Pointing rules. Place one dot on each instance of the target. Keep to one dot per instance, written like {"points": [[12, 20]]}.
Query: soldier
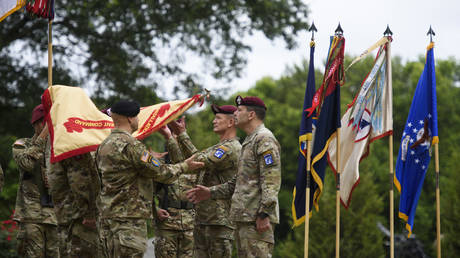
{"points": [[80, 176], [37, 234], [127, 171], [254, 190], [174, 218], [213, 232]]}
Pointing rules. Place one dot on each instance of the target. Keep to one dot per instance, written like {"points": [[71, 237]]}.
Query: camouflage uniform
{"points": [[255, 191], [213, 232], [37, 234], [174, 235], [81, 175], [127, 171]]}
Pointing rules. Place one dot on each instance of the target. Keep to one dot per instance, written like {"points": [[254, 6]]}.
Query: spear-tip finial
{"points": [[339, 31], [313, 30], [388, 32], [431, 33]]}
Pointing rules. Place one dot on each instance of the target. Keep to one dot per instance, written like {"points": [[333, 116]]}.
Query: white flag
{"points": [[369, 117]]}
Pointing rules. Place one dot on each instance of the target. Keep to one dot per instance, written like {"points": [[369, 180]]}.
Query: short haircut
{"points": [[260, 111]]}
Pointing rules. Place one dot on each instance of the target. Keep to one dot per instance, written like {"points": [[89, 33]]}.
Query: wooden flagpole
{"points": [[337, 201], [388, 33], [50, 54], [307, 200], [438, 201]]}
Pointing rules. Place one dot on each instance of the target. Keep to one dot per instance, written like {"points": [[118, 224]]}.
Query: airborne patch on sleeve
{"points": [[268, 158]]}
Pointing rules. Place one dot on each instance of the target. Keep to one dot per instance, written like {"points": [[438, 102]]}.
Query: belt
{"points": [[184, 205]]}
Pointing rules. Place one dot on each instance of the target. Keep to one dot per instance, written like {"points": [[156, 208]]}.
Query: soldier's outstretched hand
{"points": [[192, 164], [165, 131], [198, 194], [178, 126], [44, 132]]}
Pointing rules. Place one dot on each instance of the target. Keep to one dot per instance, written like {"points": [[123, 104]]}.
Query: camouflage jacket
{"points": [[220, 166], [255, 188], [59, 188], [83, 182], [28, 153], [172, 197], [127, 171]]}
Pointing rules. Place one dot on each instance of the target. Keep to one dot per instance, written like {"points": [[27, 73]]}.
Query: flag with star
{"points": [[420, 132]]}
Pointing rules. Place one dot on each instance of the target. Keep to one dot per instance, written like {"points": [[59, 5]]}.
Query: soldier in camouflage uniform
{"points": [[37, 234], [174, 218], [255, 188], [127, 171], [80, 176], [213, 232]]}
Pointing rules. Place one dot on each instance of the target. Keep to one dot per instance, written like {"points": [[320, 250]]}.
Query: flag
{"points": [[368, 118], [41, 8], [327, 104], [420, 132], [77, 126], [8, 7], [305, 134]]}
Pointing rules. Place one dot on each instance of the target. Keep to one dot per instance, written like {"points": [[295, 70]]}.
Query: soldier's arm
{"points": [[174, 151], [151, 167], [186, 144], [269, 161], [225, 190], [26, 158]]}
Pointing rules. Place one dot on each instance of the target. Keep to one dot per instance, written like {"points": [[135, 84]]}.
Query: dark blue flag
{"points": [[305, 131], [420, 132], [328, 115]]}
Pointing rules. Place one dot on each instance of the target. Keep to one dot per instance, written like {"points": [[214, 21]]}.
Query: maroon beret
{"points": [[37, 114], [250, 101], [226, 109]]}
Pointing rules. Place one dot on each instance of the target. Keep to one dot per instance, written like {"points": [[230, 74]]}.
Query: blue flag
{"points": [[420, 132], [327, 100], [305, 131]]}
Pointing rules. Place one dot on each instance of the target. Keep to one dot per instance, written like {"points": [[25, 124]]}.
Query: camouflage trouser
{"points": [[123, 237], [250, 243], [63, 234], [84, 241], [173, 243], [213, 241], [37, 240]]}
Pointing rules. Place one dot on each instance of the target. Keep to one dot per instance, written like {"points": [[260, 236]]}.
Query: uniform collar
{"points": [[116, 130]]}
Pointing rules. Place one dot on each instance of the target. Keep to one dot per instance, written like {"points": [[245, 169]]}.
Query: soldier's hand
{"points": [[165, 131], [91, 223], [158, 155], [198, 194], [192, 164], [162, 214], [44, 132], [178, 126], [262, 225]]}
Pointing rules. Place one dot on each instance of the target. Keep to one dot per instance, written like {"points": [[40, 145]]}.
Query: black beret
{"points": [[126, 108], [226, 109], [250, 101]]}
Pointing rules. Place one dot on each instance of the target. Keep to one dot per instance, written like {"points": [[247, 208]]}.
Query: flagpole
{"points": [[338, 33], [307, 200], [438, 194], [388, 34], [50, 55], [438, 201]]}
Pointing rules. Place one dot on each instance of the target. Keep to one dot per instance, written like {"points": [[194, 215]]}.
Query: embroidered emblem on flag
{"points": [[219, 153], [145, 156], [268, 158], [155, 162]]}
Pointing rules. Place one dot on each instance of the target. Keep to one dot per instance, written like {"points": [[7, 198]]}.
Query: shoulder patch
{"points": [[268, 158], [19, 142], [220, 151], [155, 162], [145, 156]]}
